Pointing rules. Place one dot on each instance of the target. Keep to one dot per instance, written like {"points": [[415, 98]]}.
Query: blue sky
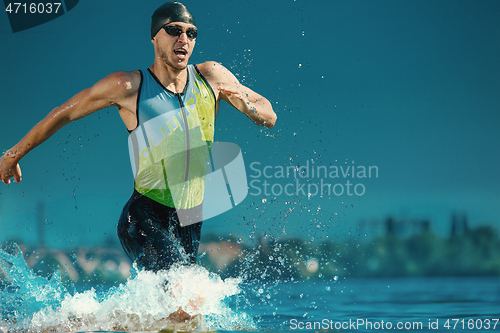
{"points": [[408, 86]]}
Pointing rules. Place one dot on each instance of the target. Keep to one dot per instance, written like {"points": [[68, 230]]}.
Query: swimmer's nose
{"points": [[183, 38]]}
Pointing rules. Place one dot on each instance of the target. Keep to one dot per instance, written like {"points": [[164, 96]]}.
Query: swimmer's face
{"points": [[174, 50]]}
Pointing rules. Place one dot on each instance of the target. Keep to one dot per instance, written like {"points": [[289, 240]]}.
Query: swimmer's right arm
{"points": [[117, 89]]}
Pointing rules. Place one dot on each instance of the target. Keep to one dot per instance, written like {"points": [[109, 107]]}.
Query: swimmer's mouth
{"points": [[180, 52]]}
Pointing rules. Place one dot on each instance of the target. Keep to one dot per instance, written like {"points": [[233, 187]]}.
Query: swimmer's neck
{"points": [[174, 79]]}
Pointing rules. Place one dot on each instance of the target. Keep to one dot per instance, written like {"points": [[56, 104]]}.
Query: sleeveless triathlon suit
{"points": [[172, 130]]}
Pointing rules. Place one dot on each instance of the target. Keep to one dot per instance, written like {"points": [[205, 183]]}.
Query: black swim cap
{"points": [[172, 11]]}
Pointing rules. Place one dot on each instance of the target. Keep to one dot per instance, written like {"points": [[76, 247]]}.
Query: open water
{"points": [[36, 304]]}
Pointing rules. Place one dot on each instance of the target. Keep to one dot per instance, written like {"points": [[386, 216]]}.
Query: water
{"points": [[332, 304], [32, 303]]}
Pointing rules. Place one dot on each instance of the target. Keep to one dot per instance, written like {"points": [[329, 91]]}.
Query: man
{"points": [[149, 227]]}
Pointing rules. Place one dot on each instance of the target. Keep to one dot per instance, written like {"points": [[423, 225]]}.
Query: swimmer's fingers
{"points": [[234, 96], [229, 91], [5, 177], [17, 174], [9, 170]]}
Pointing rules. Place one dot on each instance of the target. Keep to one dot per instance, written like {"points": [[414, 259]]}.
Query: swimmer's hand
{"points": [[9, 167], [237, 99], [251, 104]]}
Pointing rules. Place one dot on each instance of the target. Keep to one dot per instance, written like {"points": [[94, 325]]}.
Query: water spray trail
{"points": [[33, 303]]}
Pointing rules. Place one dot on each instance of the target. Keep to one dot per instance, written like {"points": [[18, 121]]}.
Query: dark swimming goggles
{"points": [[177, 32]]}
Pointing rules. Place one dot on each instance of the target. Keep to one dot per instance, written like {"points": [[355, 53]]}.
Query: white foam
{"points": [[143, 303]]}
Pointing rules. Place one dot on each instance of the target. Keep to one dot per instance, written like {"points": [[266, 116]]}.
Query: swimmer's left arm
{"points": [[245, 100]]}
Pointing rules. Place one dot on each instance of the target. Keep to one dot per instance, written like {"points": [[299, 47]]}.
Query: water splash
{"points": [[32, 303]]}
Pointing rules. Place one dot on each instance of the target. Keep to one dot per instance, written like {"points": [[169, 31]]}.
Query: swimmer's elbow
{"points": [[272, 120], [270, 124]]}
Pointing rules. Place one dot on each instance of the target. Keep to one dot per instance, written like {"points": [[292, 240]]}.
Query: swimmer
{"points": [[149, 228]]}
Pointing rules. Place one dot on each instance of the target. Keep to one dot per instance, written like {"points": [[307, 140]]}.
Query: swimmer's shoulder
{"points": [[211, 70], [118, 89], [125, 83]]}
